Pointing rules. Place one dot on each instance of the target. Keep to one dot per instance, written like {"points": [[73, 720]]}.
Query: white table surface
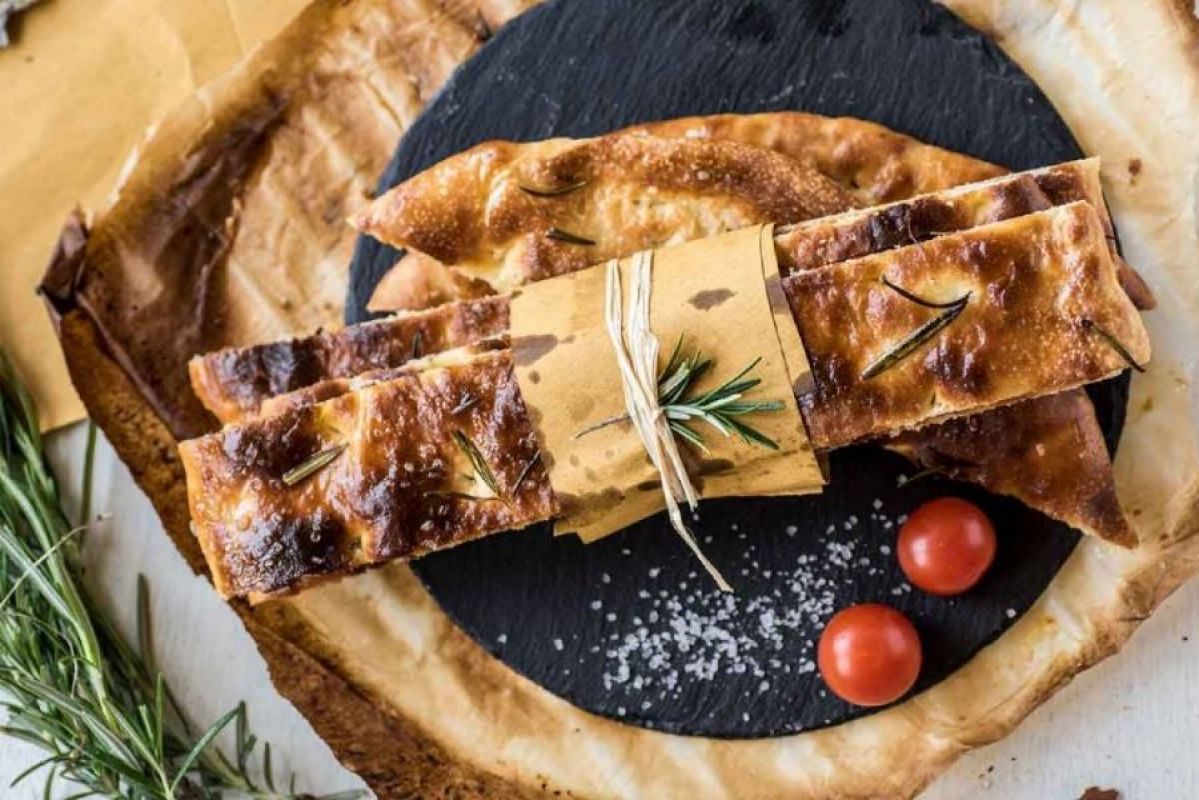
{"points": [[1131, 723]]}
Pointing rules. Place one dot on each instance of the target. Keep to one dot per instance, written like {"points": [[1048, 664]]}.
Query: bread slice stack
{"points": [[955, 327]]}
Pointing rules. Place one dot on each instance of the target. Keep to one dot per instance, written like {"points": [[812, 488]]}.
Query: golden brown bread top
{"points": [[875, 163], [1032, 284], [1047, 452], [859, 232], [513, 213], [232, 383], [402, 486], [336, 387]]}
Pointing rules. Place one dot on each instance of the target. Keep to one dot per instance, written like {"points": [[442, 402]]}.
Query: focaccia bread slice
{"points": [[860, 232], [1029, 306], [419, 463], [336, 387], [513, 213], [1047, 452], [232, 383]]}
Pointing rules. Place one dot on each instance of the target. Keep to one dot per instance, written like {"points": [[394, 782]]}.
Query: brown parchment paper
{"points": [[713, 293], [79, 87]]}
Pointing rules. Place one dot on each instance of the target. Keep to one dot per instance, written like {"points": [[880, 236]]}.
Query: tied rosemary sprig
{"points": [[69, 684], [534, 191], [1111, 341], [477, 462], [560, 235], [719, 407], [908, 344]]}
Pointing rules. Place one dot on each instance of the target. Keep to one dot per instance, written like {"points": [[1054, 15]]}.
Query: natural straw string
{"points": [[637, 350]]}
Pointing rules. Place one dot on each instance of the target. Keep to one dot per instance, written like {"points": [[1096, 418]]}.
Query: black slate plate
{"points": [[630, 627]]}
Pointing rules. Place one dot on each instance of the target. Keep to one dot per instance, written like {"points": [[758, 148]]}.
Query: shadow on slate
{"points": [[630, 627]]}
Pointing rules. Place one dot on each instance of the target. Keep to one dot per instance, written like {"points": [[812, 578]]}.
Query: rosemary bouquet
{"points": [[98, 708]]}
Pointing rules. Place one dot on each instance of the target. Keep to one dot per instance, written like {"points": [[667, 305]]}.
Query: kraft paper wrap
{"points": [[79, 86], [723, 295]]}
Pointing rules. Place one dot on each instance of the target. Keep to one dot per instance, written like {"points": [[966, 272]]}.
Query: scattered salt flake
{"points": [[558, 644], [502, 638], [605, 578], [653, 572], [792, 530], [1010, 613], [596, 605]]}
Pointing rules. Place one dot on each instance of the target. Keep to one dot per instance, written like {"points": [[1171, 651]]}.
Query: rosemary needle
{"points": [[313, 464], [533, 191], [913, 340], [570, 238], [1113, 343], [477, 462]]}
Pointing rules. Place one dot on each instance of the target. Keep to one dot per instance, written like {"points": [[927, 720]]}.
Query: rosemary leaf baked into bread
{"points": [[391, 471], [961, 323]]}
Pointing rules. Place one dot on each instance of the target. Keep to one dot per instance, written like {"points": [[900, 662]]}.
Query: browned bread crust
{"points": [[233, 382], [1047, 452], [1031, 286], [486, 211], [807, 245], [400, 487], [395, 492]]}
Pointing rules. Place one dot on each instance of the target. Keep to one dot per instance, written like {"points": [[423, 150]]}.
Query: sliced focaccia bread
{"points": [[336, 387], [1047, 453], [513, 213], [391, 471], [962, 323], [860, 232], [232, 383]]}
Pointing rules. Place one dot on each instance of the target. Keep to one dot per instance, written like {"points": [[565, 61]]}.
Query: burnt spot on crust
{"points": [[280, 549], [397, 491], [1028, 281], [233, 383]]}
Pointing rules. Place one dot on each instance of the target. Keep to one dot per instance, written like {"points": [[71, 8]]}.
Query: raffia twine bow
{"points": [[637, 350]]}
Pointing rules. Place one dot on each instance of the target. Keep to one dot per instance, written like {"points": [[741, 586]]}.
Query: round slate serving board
{"points": [[631, 627]]}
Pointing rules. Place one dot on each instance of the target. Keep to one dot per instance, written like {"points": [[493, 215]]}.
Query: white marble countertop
{"points": [[1127, 724]]}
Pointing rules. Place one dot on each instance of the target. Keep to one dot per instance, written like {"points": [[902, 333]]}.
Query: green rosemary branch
{"points": [[69, 684], [719, 407]]}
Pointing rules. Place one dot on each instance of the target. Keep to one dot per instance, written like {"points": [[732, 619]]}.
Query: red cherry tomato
{"points": [[946, 545], [869, 654]]}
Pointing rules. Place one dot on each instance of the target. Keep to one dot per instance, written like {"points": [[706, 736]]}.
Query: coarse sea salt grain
{"points": [[692, 632]]}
